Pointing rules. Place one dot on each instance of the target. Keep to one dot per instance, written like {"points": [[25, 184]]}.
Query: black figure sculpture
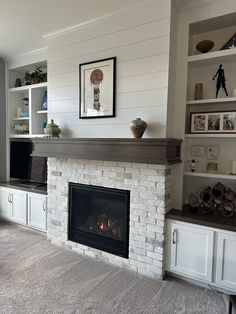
{"points": [[220, 80]]}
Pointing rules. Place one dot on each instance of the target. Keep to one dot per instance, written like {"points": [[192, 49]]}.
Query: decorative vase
{"points": [[198, 91], [138, 127], [52, 129], [205, 45]]}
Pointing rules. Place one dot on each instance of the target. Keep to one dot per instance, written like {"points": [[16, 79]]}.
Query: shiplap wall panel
{"points": [[153, 11], [153, 114], [145, 49], [160, 28], [141, 45]]}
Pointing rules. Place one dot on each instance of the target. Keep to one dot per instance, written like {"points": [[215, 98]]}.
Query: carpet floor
{"points": [[38, 277]]}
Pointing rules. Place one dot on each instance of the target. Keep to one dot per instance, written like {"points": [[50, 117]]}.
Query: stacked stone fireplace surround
{"points": [[150, 197]]}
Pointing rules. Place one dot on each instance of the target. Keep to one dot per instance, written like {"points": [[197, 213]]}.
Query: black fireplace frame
{"points": [[87, 238]]}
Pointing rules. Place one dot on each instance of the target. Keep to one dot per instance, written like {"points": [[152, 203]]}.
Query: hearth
{"points": [[99, 217]]}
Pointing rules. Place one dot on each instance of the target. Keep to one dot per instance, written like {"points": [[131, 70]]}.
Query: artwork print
{"points": [[97, 89]]}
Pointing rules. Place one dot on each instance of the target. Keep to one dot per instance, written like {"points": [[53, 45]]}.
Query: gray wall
{"points": [[3, 167]]}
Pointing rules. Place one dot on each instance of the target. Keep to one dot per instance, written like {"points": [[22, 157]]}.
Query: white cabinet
{"points": [[202, 253], [226, 260], [13, 205], [23, 207], [5, 205], [18, 206], [37, 211], [192, 251]]}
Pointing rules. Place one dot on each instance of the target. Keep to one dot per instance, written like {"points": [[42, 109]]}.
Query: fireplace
{"points": [[99, 217]]}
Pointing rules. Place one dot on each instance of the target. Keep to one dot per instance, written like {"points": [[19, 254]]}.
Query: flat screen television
{"points": [[25, 167]]}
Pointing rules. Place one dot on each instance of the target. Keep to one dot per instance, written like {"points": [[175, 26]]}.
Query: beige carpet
{"points": [[38, 277]]}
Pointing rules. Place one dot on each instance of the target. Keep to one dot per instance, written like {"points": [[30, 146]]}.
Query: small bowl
{"points": [[205, 45], [24, 114]]}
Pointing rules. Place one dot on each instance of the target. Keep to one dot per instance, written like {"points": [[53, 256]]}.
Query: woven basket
{"points": [[205, 45]]}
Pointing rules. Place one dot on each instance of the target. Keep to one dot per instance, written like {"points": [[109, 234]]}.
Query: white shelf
{"points": [[211, 101], [18, 119], [42, 111], [26, 87], [26, 135], [210, 175], [215, 135], [221, 56]]}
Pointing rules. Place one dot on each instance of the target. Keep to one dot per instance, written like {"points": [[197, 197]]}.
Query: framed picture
{"points": [[197, 150], [231, 43], [44, 105], [97, 89], [213, 122]]}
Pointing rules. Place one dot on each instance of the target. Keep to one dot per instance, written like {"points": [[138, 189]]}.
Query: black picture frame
{"points": [[231, 43], [97, 89]]}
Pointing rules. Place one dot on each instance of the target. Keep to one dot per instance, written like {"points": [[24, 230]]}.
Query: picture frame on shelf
{"points": [[44, 105], [213, 122], [97, 89], [213, 152], [197, 150], [231, 43]]}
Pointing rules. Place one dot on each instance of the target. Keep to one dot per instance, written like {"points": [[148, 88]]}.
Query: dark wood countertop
{"points": [[214, 220], [18, 185]]}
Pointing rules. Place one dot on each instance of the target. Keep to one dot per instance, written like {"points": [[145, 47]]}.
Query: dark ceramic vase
{"points": [[138, 127]]}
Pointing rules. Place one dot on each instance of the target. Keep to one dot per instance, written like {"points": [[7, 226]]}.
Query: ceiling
{"points": [[23, 23]]}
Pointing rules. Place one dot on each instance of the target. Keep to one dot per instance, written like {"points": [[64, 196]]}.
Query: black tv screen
{"points": [[23, 165], [20, 159]]}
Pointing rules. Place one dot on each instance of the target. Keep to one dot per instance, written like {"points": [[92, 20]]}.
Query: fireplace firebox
{"points": [[99, 218]]}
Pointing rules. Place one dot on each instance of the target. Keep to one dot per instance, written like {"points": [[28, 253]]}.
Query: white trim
{"points": [[88, 23]]}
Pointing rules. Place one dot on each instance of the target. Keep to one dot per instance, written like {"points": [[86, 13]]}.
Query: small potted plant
{"points": [[36, 76], [27, 78]]}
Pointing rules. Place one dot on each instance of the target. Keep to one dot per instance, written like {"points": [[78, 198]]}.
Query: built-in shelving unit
{"points": [[26, 120], [201, 68]]}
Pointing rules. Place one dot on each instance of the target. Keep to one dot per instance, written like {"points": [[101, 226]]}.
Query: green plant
{"points": [[37, 76]]}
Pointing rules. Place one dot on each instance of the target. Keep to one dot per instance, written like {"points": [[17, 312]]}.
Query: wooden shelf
{"points": [[210, 175], [162, 151], [211, 101], [220, 56]]}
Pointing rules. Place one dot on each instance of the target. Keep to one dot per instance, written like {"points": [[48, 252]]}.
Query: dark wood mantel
{"points": [[161, 151]]}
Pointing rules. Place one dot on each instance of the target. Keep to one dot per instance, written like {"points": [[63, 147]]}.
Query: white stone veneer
{"points": [[150, 198]]}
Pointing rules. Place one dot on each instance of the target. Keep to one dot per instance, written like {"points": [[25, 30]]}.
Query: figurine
{"points": [[193, 163], [220, 80]]}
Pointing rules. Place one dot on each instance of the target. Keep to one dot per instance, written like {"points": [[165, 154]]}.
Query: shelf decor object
{"points": [[213, 122], [45, 101], [231, 43], [198, 91], [205, 45], [138, 127], [97, 89]]}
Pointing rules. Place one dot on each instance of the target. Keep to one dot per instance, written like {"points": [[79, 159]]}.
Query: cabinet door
{"points": [[19, 209], [226, 261], [192, 251], [5, 205], [37, 211]]}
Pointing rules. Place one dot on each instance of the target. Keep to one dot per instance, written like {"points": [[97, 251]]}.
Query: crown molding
{"points": [[28, 57], [89, 23]]}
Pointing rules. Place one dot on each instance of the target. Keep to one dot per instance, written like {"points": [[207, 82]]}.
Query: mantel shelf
{"points": [[162, 151], [225, 175]]}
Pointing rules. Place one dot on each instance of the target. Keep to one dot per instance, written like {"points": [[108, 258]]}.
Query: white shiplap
{"points": [[140, 41]]}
